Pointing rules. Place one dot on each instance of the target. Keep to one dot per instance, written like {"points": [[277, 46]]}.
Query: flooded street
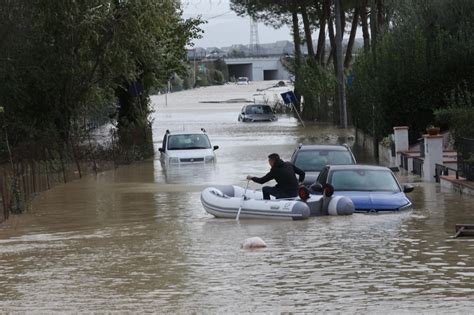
{"points": [[137, 239]]}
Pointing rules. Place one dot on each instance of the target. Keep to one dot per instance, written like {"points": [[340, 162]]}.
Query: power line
{"points": [[200, 5], [219, 15]]}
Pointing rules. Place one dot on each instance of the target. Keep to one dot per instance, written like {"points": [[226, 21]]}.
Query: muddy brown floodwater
{"points": [[137, 239]]}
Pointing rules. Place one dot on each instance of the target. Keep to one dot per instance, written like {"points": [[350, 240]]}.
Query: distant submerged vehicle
{"points": [[257, 113], [242, 81]]}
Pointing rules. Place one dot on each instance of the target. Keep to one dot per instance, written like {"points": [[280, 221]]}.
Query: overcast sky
{"points": [[224, 27]]}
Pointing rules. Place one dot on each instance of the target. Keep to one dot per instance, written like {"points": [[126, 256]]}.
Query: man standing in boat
{"points": [[284, 173]]}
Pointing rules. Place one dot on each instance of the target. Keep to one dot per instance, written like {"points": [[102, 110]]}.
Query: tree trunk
{"points": [[332, 40], [320, 52], [350, 43], [133, 127], [323, 113], [339, 69], [332, 36], [365, 26], [380, 15], [297, 43], [373, 25], [307, 32], [296, 35]]}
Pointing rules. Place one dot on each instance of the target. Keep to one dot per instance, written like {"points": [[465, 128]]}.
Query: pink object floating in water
{"points": [[253, 242]]}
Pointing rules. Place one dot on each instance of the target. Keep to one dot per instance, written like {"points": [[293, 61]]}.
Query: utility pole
{"points": [[254, 42], [194, 68], [340, 67]]}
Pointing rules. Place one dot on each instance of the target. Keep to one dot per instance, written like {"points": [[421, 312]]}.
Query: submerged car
{"points": [[242, 81], [371, 188], [187, 148], [257, 113], [313, 158]]}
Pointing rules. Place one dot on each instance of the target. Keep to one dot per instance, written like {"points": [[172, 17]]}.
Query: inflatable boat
{"points": [[225, 201]]}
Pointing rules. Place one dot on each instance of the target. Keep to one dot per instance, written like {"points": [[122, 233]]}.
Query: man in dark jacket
{"points": [[284, 173]]}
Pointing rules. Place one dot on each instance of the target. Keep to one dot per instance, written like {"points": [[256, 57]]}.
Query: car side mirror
{"points": [[317, 187], [161, 150], [408, 188], [215, 147], [243, 113]]}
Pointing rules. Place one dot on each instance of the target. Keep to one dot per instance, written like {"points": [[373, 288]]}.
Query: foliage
{"points": [[201, 80], [270, 12], [415, 65], [221, 66], [216, 77], [315, 80], [234, 53], [176, 83], [316, 15], [67, 66], [64, 63], [459, 114]]}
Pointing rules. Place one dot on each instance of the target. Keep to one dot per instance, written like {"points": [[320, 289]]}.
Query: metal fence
{"points": [[417, 166], [403, 160], [444, 170], [18, 185], [422, 147], [465, 149], [392, 149]]}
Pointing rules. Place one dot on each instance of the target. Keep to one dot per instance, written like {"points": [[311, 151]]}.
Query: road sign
{"points": [[350, 79], [289, 97]]}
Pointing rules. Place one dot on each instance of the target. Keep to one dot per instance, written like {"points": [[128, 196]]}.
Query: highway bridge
{"points": [[257, 68]]}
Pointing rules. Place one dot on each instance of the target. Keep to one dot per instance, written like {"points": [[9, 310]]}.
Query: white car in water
{"points": [[187, 148], [242, 81]]}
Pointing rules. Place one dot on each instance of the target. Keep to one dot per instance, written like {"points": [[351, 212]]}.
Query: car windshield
{"points": [[314, 161], [258, 109], [242, 79], [188, 142], [364, 180]]}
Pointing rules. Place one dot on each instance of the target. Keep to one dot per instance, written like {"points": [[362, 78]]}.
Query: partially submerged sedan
{"points": [[312, 158], [371, 188], [257, 113]]}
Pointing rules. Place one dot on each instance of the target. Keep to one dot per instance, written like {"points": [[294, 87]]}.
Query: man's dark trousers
{"points": [[277, 193]]}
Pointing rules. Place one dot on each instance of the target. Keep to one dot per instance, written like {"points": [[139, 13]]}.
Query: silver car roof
{"points": [[313, 147]]}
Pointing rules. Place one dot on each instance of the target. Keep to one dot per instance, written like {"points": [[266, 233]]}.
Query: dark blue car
{"points": [[371, 188]]}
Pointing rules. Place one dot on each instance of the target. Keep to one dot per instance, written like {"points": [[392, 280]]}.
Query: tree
{"points": [[154, 55], [420, 61], [64, 63]]}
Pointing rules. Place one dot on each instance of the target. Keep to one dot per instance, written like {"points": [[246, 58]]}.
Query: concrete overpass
{"points": [[257, 68]]}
